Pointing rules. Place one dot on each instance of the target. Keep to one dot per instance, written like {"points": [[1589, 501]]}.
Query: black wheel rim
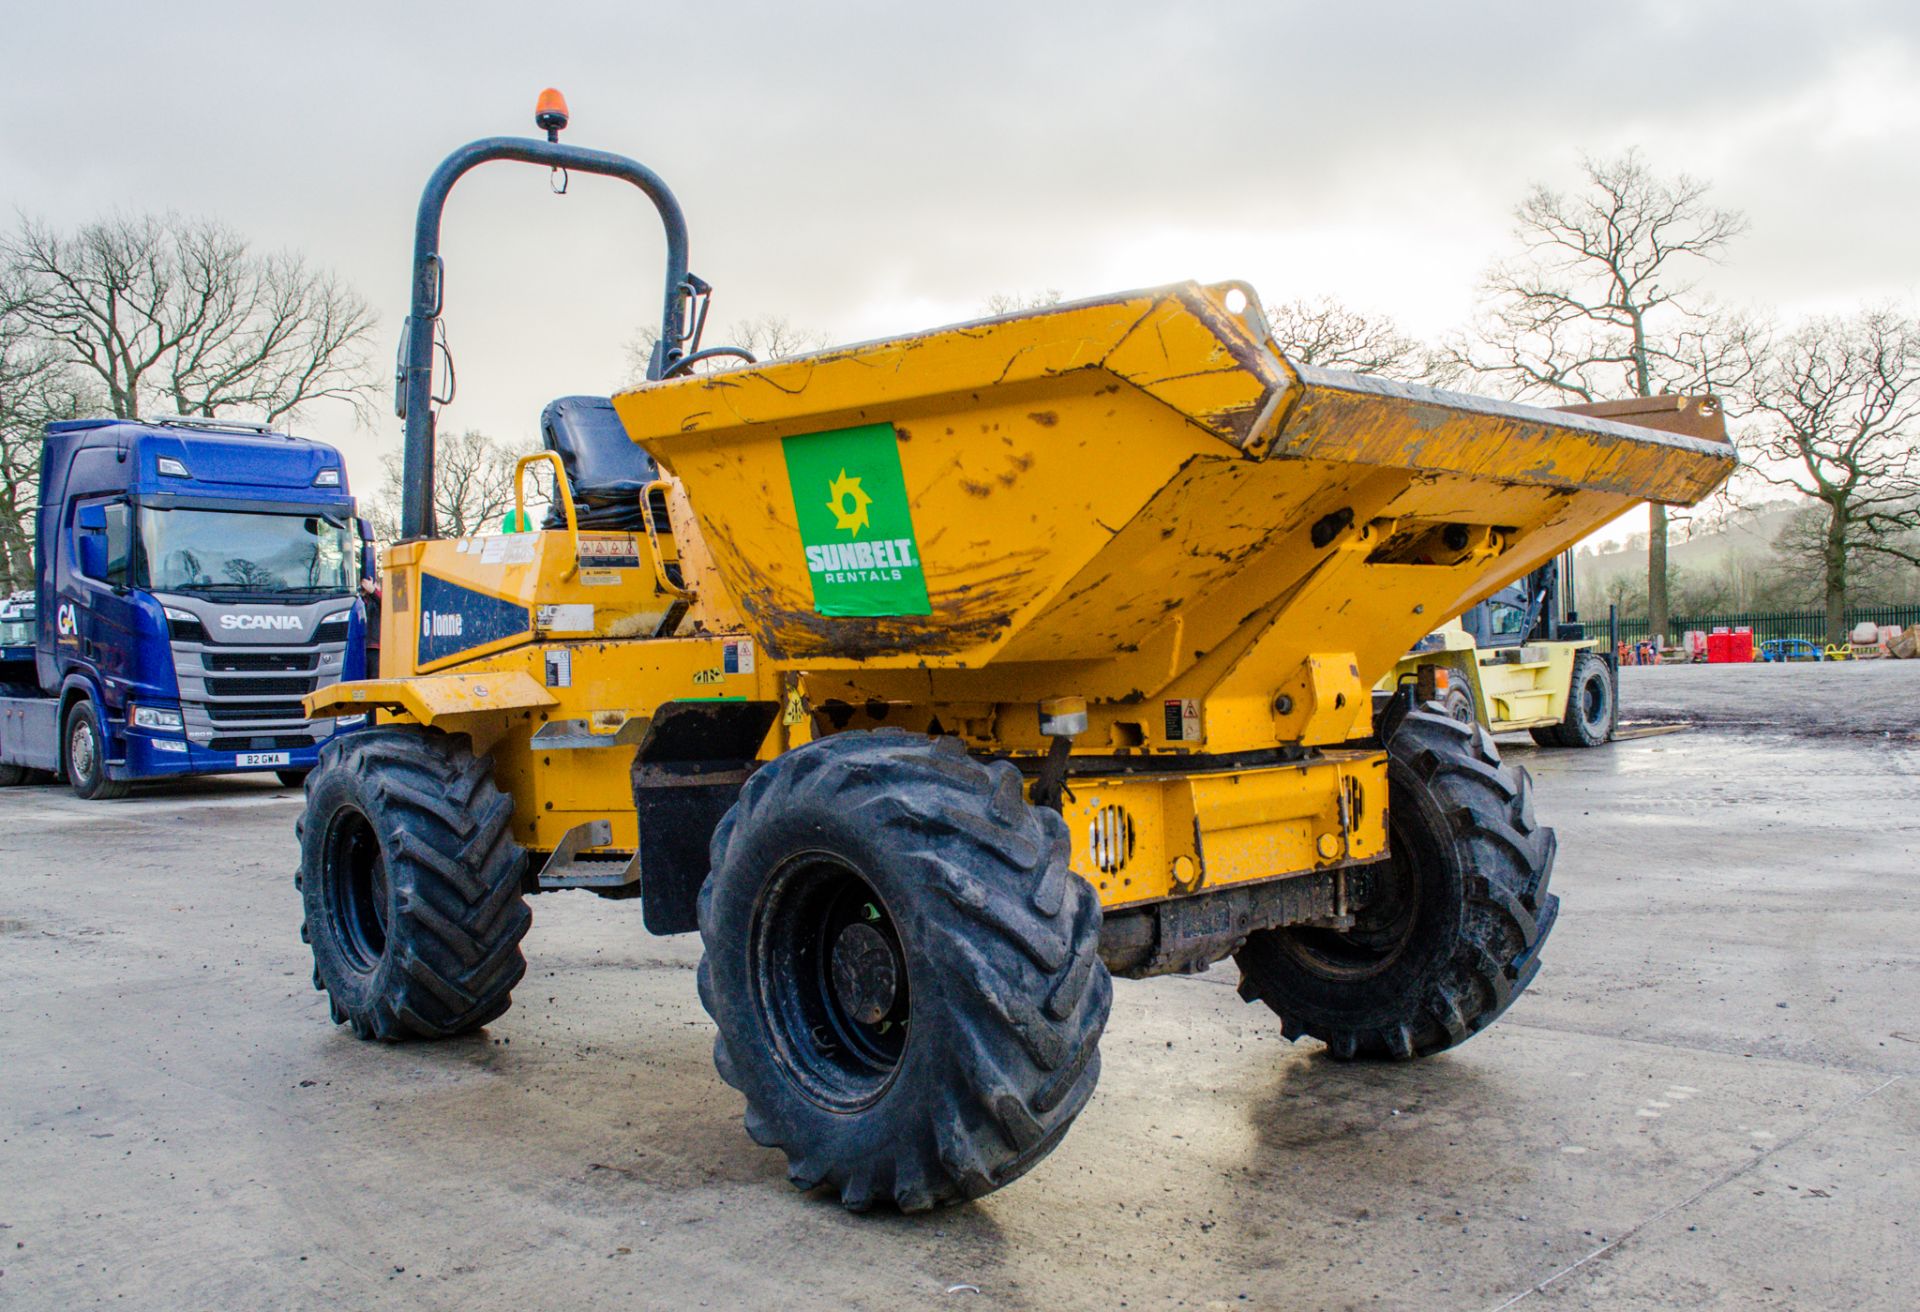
{"points": [[830, 981], [356, 888], [1383, 927], [1460, 706], [1593, 701]]}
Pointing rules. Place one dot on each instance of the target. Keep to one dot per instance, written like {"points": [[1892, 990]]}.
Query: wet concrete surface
{"points": [[1707, 1100], [1872, 698]]}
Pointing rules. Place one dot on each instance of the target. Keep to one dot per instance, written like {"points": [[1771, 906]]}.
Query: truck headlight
{"points": [[157, 718], [184, 625]]}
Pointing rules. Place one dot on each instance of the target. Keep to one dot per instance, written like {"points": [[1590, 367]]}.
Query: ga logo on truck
{"points": [[855, 523], [65, 620]]}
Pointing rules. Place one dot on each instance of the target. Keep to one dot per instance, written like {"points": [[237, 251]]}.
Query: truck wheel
{"points": [[87, 757], [411, 885], [292, 778], [904, 972], [11, 776], [1456, 935], [1592, 707]]}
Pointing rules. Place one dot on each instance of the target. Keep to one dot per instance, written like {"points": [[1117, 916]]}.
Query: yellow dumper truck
{"points": [[935, 681]]}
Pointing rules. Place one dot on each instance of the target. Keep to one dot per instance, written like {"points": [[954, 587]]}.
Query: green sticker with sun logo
{"points": [[855, 523]]}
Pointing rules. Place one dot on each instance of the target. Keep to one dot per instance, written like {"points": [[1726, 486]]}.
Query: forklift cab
{"points": [[1506, 619]]}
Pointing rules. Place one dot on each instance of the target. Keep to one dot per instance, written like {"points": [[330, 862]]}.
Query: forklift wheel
{"points": [[292, 778], [411, 885], [904, 972], [86, 756], [1593, 709], [1458, 704], [1456, 936]]}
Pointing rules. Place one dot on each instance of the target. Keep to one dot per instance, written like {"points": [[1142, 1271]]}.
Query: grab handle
{"points": [[562, 492], [667, 585]]}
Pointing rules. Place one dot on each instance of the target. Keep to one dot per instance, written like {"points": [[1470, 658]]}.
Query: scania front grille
{"points": [[230, 712], [259, 686], [258, 662]]}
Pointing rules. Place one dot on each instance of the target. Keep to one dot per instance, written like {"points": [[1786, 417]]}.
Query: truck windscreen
{"points": [[235, 551]]}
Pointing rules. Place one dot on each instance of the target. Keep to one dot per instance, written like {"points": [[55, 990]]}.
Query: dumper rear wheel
{"points": [[1454, 935], [1593, 706], [411, 885], [904, 972]]}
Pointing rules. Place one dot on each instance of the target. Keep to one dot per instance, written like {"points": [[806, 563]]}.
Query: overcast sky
{"points": [[865, 169]]}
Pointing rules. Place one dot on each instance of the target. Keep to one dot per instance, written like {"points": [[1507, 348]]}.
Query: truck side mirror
{"points": [[93, 553], [105, 541]]}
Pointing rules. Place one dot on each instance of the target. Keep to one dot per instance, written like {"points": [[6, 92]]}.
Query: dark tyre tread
{"points": [[1574, 730], [93, 787], [457, 907], [1501, 861], [1010, 995]]}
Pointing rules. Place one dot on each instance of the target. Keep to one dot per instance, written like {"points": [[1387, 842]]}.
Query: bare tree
{"points": [[1598, 304], [36, 387], [472, 487], [999, 303], [1837, 418], [769, 337], [1327, 333], [182, 314]]}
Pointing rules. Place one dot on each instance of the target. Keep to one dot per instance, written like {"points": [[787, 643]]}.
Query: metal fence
{"points": [[1808, 624]]}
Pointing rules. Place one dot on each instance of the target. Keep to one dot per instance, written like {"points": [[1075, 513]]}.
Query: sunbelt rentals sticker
{"points": [[855, 523]]}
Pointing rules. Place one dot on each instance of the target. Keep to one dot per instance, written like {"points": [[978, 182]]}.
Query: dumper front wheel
{"points": [[1451, 932], [411, 885], [904, 972]]}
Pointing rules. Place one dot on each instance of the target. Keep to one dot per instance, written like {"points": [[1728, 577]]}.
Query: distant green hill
{"points": [[1735, 552]]}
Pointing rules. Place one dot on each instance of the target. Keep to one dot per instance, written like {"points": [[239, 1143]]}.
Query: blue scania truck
{"points": [[193, 580]]}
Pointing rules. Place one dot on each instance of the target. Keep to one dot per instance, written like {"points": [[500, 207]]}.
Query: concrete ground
{"points": [[1707, 1100], [1877, 698]]}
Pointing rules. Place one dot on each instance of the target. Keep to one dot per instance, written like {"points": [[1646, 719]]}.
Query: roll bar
{"points": [[415, 381]]}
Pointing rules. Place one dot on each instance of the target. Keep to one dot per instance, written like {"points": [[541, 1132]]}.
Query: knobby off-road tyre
{"points": [[411, 885], [1457, 936], [904, 972], [1593, 706], [85, 748]]}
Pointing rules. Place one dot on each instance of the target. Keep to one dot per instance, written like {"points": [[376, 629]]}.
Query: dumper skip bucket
{"points": [[1130, 481]]}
